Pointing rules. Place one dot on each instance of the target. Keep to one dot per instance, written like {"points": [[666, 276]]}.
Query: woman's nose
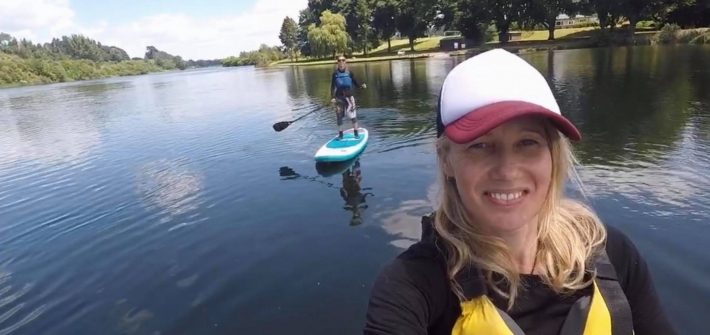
{"points": [[505, 164]]}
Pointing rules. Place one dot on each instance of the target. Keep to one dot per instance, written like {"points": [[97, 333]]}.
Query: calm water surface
{"points": [[166, 204]]}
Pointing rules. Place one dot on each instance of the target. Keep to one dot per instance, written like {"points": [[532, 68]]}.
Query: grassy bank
{"points": [[350, 60], [425, 46], [568, 38], [17, 71]]}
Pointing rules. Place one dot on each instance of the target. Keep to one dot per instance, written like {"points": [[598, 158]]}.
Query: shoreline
{"points": [[615, 39], [414, 55]]}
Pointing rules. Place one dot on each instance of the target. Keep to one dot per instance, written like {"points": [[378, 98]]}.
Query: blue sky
{"points": [[192, 29]]}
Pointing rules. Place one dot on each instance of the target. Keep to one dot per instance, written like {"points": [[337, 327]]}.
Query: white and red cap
{"points": [[490, 89]]}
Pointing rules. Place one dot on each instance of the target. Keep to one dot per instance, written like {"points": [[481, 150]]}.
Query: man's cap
{"points": [[490, 89]]}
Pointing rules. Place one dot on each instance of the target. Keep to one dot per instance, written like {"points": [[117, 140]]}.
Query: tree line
{"points": [[264, 56], [78, 57], [326, 27]]}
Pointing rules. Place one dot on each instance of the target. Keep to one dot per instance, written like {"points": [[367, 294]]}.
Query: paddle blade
{"points": [[279, 126]]}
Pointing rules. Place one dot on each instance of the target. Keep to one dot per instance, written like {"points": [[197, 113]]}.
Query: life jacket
{"points": [[605, 312], [343, 81]]}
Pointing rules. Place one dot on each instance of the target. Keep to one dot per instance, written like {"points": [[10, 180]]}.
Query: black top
{"points": [[337, 92], [412, 295]]}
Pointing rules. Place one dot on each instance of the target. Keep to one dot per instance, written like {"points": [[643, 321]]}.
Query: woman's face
{"points": [[503, 176], [341, 63]]}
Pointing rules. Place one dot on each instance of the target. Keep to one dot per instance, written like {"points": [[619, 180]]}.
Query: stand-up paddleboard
{"points": [[338, 150]]}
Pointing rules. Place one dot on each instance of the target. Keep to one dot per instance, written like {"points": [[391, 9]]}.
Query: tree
{"points": [[363, 25], [472, 19], [504, 13], [413, 17], [545, 12], [383, 20], [289, 35], [608, 12], [330, 37], [305, 19], [636, 10], [164, 59], [688, 13]]}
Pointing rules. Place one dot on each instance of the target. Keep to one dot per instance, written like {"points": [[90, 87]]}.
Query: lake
{"points": [[167, 204]]}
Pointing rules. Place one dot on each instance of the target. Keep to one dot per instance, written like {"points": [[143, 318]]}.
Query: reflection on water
{"points": [[46, 136], [674, 182], [170, 187], [350, 189], [14, 313], [403, 222], [353, 194]]}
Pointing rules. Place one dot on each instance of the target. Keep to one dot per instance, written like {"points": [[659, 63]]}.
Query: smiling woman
{"points": [[506, 252]]}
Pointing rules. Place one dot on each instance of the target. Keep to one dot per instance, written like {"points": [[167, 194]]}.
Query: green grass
{"points": [[541, 35], [424, 44], [350, 60], [421, 47]]}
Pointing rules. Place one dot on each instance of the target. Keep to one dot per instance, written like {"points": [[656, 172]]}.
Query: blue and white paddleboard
{"points": [[338, 150]]}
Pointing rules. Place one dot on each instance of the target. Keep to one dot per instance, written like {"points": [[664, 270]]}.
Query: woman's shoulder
{"points": [[624, 256], [421, 260], [423, 264], [619, 246], [411, 292]]}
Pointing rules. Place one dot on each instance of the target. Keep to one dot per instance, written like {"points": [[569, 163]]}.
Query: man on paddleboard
{"points": [[341, 85]]}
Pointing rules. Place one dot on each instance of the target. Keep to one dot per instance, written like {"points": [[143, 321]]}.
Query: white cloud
{"points": [[177, 33], [26, 18]]}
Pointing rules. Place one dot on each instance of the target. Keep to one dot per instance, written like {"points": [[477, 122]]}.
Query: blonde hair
{"points": [[569, 234]]}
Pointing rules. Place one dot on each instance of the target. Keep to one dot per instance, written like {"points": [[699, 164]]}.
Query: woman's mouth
{"points": [[506, 197]]}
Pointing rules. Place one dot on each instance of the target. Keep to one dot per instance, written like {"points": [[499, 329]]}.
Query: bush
{"points": [[15, 70], [668, 34]]}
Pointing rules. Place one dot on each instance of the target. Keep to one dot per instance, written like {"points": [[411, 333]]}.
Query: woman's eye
{"points": [[479, 145], [529, 142]]}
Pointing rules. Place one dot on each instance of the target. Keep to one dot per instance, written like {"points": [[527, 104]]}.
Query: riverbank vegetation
{"points": [[365, 28], [78, 57]]}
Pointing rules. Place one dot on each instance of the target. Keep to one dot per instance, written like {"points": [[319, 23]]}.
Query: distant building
{"points": [[451, 43], [565, 21]]}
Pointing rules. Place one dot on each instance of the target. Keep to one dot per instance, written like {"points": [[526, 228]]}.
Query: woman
{"points": [[341, 84], [505, 251]]}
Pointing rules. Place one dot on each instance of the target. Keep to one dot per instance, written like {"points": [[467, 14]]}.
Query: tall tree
{"points": [[363, 21], [504, 13], [687, 13], [289, 35], [471, 18], [305, 20], [413, 17], [636, 10], [545, 12], [330, 36], [383, 21], [608, 12], [164, 59]]}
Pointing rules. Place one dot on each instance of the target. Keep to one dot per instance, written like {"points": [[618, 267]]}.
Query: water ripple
{"points": [[17, 315]]}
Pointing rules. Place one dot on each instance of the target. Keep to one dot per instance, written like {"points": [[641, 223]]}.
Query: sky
{"points": [[192, 29]]}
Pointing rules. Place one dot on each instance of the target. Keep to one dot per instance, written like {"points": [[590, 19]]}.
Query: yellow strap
{"points": [[480, 316], [598, 318]]}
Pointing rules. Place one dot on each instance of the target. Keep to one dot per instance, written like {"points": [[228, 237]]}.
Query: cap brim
{"points": [[482, 120]]}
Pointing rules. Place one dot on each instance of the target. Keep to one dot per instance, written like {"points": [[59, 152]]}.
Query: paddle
{"points": [[279, 126]]}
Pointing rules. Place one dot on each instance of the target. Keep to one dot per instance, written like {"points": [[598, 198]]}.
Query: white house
{"points": [[565, 21]]}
